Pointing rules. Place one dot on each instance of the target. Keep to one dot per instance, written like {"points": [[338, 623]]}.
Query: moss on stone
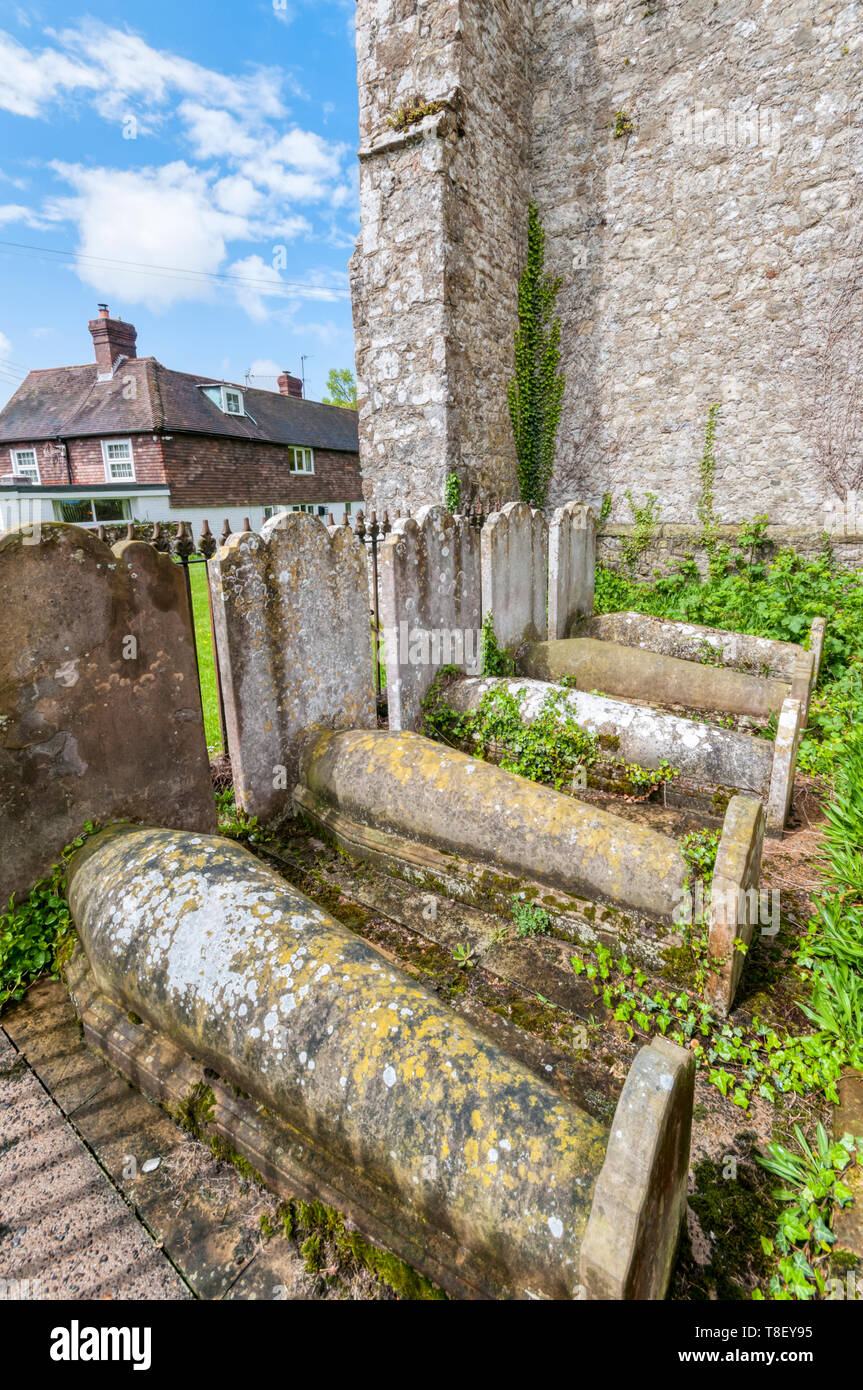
{"points": [[196, 1110], [734, 1212], [321, 1225]]}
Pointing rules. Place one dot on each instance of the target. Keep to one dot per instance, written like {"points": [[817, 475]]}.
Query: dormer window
{"points": [[229, 399]]}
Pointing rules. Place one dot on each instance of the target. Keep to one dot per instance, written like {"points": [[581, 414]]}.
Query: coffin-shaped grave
{"points": [[483, 835], [212, 984]]}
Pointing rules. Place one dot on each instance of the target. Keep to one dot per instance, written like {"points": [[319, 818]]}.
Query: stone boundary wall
{"points": [[628, 125], [673, 543]]}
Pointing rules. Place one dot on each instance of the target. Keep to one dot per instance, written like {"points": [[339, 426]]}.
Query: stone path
{"points": [[103, 1196]]}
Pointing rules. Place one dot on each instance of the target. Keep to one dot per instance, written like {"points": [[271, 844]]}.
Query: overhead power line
{"points": [[275, 287]]}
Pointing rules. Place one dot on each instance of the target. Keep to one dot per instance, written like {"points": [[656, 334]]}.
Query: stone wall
{"points": [[434, 275], [670, 544], [703, 236]]}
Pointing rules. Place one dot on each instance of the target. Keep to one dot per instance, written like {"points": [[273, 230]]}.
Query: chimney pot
{"points": [[112, 338], [290, 385]]}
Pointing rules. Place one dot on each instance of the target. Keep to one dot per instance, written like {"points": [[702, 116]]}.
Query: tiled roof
{"points": [[69, 402]]}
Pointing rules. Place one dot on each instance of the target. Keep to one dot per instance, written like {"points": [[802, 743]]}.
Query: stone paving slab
{"points": [[63, 1227], [202, 1215]]}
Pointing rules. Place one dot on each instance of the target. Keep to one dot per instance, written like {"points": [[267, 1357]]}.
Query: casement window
{"points": [[25, 464], [309, 507], [229, 399], [119, 463], [301, 460], [91, 511]]}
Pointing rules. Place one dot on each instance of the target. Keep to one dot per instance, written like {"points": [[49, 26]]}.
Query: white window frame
{"points": [[307, 460], [16, 467], [111, 477], [219, 396], [232, 391]]}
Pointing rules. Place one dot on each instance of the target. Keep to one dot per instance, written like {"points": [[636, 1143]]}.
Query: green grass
{"points": [[206, 663]]}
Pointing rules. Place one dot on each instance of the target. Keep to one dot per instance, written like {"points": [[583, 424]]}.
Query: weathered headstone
{"points": [[100, 709], [291, 621], [430, 606], [514, 549], [571, 566]]}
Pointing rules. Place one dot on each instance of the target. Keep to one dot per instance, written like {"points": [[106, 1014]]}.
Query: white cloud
{"points": [[5, 346], [216, 133], [326, 333], [148, 218], [263, 373], [262, 280], [246, 177], [304, 150], [14, 212], [237, 194], [31, 80]]}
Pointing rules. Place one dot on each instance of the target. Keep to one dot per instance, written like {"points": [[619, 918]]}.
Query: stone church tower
{"points": [[699, 174]]}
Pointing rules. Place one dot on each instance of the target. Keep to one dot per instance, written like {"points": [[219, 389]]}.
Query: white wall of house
{"points": [[31, 509]]}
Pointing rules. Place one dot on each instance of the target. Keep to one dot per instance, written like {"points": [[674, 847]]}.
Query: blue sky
{"points": [[197, 169]]}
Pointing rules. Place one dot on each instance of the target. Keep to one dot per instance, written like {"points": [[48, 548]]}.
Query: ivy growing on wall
{"points": [[535, 393], [452, 493], [707, 474]]}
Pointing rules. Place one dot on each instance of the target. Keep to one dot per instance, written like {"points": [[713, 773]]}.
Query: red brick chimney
{"points": [[290, 385], [112, 338]]}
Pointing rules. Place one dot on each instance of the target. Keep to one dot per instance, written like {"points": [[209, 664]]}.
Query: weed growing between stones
{"points": [[529, 919], [552, 748], [623, 125], [411, 112]]}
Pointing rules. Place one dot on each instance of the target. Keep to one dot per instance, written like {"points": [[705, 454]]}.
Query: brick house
{"points": [[124, 438]]}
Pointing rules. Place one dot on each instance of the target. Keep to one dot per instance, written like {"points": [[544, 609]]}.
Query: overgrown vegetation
{"points": [[552, 748], [811, 1187], [35, 933], [495, 660], [535, 393], [744, 592]]}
